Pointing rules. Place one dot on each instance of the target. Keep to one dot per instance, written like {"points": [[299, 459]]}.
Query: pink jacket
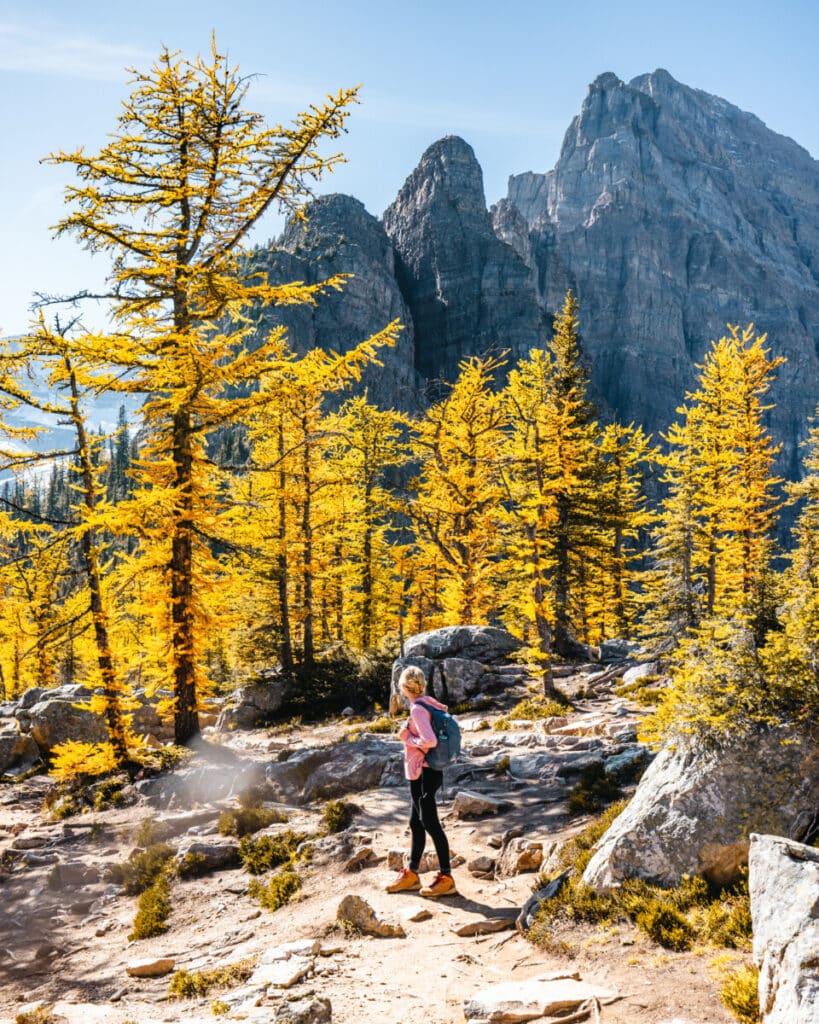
{"points": [[417, 735]]}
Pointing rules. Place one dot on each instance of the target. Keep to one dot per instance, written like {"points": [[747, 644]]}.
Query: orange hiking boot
{"points": [[442, 885], [407, 881]]}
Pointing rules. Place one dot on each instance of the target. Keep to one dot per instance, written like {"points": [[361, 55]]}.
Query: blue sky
{"points": [[508, 77]]}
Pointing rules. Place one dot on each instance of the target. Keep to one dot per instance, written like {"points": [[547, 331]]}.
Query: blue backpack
{"points": [[448, 734]]}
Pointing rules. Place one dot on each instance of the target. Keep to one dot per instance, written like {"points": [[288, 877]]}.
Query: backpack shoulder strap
{"points": [[426, 707]]}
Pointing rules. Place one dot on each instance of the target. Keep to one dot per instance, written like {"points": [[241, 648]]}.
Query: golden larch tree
{"points": [[171, 198]]}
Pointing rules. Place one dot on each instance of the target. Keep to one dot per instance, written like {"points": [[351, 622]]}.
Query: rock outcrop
{"points": [[461, 661], [253, 704], [324, 773], [783, 879], [670, 213], [468, 291], [341, 237], [694, 809]]}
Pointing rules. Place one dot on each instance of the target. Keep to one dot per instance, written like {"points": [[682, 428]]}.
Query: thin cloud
{"points": [[65, 55]]}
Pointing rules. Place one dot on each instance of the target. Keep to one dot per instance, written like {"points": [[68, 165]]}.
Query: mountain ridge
{"points": [[669, 212]]}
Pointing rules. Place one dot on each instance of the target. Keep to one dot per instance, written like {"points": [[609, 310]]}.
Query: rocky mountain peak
{"points": [[448, 177], [670, 213]]}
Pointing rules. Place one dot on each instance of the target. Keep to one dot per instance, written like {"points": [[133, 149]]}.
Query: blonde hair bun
{"points": [[413, 680]]}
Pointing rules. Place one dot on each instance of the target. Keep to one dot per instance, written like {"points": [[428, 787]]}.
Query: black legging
{"points": [[424, 818]]}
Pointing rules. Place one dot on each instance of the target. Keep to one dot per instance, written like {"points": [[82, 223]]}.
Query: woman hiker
{"points": [[418, 738]]}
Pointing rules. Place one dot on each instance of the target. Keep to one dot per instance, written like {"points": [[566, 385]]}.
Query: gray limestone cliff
{"points": [[670, 213], [468, 291], [340, 236]]}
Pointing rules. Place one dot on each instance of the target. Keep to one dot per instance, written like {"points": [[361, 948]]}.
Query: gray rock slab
{"points": [[695, 808], [515, 1001], [783, 878]]}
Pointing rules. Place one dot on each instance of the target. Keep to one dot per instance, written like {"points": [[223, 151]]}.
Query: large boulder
{"points": [[61, 714], [15, 746], [783, 879], [455, 679], [253, 704], [325, 773], [695, 808], [458, 661], [145, 720], [486, 644]]}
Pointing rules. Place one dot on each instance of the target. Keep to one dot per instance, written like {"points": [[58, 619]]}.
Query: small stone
{"points": [[395, 860], [468, 804], [481, 865], [528, 1000], [150, 968], [281, 973], [312, 1010], [359, 858], [484, 926], [519, 855], [417, 915], [355, 912], [331, 950]]}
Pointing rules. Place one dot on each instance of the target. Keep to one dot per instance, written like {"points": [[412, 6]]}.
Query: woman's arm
{"points": [[425, 739]]}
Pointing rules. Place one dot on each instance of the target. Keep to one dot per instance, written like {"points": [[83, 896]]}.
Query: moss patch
{"points": [[337, 815], [194, 984], [259, 855], [281, 888], [142, 868]]}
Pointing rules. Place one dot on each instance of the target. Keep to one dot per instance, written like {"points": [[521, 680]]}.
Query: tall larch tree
{"points": [[171, 199], [573, 535], [288, 502], [457, 491], [367, 445], [49, 353], [536, 469], [791, 654], [625, 457], [720, 515]]}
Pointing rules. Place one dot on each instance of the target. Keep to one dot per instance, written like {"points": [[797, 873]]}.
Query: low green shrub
{"points": [[244, 821], [281, 888], [532, 709], [739, 994], [193, 865], [259, 855], [593, 790], [663, 923], [146, 833], [337, 815], [675, 918], [63, 800], [42, 1015], [194, 984], [153, 909], [142, 868], [109, 794], [384, 724]]}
